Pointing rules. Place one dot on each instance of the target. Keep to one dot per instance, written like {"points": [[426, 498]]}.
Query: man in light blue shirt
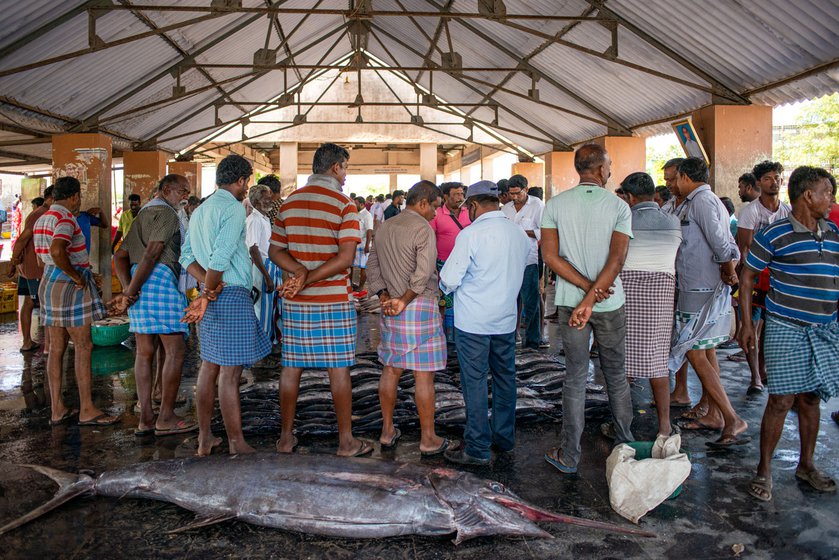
{"points": [[485, 271], [585, 237], [216, 254]]}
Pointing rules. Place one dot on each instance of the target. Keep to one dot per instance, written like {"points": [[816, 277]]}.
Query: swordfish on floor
{"points": [[322, 495]]}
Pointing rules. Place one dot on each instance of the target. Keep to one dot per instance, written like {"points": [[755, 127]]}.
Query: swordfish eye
{"points": [[496, 487]]}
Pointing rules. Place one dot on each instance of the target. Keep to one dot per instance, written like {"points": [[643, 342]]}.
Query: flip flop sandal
{"points": [[394, 440], [694, 425], [760, 487], [101, 420], [32, 348], [694, 413], [817, 480], [552, 457], [365, 449], [727, 442], [64, 417], [182, 427], [677, 404], [835, 416], [754, 391], [447, 444], [143, 433], [293, 446]]}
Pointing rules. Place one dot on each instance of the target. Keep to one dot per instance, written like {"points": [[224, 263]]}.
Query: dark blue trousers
{"points": [[529, 295], [478, 355]]}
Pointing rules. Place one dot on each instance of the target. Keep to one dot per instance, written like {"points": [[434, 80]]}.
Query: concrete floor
{"points": [[712, 518]]}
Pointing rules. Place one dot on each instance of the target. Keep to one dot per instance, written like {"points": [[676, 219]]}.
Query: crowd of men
{"points": [[647, 276]]}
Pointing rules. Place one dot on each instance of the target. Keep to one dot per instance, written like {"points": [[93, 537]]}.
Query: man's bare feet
{"points": [[739, 427], [206, 446], [285, 447], [240, 448], [432, 444], [356, 448]]}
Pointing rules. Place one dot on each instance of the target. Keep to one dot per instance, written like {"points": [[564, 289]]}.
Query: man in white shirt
{"points": [[378, 210], [768, 208], [365, 225], [526, 212], [484, 271]]}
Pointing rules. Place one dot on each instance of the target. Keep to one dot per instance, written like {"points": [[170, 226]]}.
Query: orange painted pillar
{"points": [[534, 171], [628, 155], [560, 174], [142, 172], [735, 137], [87, 157], [191, 170]]}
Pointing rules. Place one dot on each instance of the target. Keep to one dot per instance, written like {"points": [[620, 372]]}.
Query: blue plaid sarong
{"points": [[63, 304], [229, 333], [161, 304], [319, 335], [801, 359], [268, 307]]}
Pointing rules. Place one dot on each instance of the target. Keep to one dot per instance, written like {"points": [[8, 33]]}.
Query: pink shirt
{"points": [[446, 229]]}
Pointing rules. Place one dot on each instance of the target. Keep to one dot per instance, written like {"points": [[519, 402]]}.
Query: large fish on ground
{"points": [[322, 495]]}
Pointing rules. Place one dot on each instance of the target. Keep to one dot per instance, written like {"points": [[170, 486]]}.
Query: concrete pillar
{"points": [[394, 182], [735, 137], [191, 170], [428, 162], [628, 154], [87, 157], [142, 171], [560, 174], [535, 173], [288, 167]]}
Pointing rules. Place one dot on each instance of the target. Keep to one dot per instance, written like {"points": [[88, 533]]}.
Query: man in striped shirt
{"points": [[801, 330], [69, 301], [314, 239]]}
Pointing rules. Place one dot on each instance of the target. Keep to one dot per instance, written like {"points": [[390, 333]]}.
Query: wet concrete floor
{"points": [[713, 518]]}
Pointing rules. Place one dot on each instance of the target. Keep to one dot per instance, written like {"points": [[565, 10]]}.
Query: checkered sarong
{"points": [[360, 260], [268, 305], [229, 332], [319, 335], [801, 359], [414, 339], [703, 321], [649, 322], [160, 307], [64, 305]]}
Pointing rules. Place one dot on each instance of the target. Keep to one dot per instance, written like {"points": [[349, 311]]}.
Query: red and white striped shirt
{"points": [[59, 223], [311, 224]]}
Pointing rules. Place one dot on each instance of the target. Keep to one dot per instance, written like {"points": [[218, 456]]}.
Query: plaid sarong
{"points": [[360, 260], [801, 359], [268, 306], [703, 321], [64, 305], [319, 335], [160, 307], [649, 322], [229, 332], [414, 339]]}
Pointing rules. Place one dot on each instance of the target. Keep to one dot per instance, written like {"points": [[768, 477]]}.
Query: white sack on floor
{"points": [[636, 487]]}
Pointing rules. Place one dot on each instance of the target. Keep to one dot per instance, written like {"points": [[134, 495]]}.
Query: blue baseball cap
{"points": [[482, 187]]}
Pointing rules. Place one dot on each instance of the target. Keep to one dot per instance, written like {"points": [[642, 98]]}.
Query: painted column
{"points": [[142, 171], [735, 137], [535, 173], [428, 162], [288, 167], [87, 157], [628, 155], [191, 170], [560, 174]]}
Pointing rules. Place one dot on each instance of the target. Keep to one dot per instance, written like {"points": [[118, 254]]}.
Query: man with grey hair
{"points": [[314, 239], [267, 276], [585, 237], [215, 254]]}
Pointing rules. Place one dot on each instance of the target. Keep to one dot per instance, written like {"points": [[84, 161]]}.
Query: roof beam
{"points": [[47, 27], [25, 158], [614, 125], [720, 88]]}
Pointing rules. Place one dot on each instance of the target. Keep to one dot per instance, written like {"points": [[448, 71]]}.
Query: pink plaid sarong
{"points": [[414, 339]]}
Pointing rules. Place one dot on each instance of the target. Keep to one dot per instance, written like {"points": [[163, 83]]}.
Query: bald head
{"points": [[593, 164]]}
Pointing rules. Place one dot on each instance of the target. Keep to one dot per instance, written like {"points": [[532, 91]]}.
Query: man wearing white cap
{"points": [[485, 271]]}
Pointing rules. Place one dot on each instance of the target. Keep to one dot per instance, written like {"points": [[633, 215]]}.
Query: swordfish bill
{"points": [[322, 495]]}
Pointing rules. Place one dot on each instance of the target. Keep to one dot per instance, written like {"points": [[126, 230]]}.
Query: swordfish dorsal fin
{"points": [[69, 486]]}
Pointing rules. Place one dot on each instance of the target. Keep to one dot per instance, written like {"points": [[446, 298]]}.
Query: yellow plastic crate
{"points": [[8, 298]]}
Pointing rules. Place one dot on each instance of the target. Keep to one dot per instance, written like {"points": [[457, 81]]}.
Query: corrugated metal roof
{"points": [[751, 47]]}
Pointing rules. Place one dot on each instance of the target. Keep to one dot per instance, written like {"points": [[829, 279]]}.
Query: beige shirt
{"points": [[404, 257]]}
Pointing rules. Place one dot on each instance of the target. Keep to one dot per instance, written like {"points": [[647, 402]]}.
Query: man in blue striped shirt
{"points": [[801, 332]]}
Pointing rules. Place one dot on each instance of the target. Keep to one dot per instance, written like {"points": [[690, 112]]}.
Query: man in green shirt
{"points": [[585, 238], [126, 220]]}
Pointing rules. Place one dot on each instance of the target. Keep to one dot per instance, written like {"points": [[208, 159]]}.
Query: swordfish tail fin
{"points": [[69, 486]]}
